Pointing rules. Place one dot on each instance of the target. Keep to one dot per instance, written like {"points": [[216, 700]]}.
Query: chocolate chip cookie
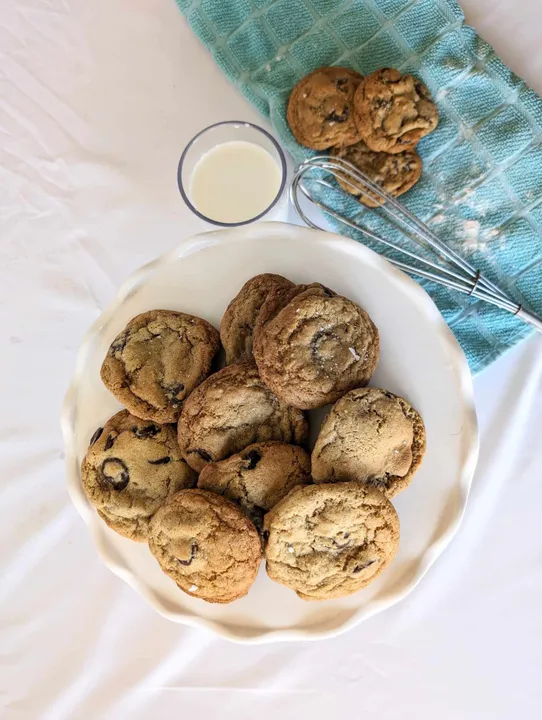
{"points": [[257, 478], [326, 541], [206, 545], [393, 111], [156, 362], [232, 409], [311, 345], [320, 108], [371, 436], [242, 313], [131, 467], [394, 173]]}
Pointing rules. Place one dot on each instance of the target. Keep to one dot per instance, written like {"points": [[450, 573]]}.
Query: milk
{"points": [[234, 182]]}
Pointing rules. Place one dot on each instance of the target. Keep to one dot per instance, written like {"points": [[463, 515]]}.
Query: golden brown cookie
{"points": [[232, 409], [371, 436], [312, 346], [393, 111], [206, 545], [320, 109], [393, 173], [242, 313], [156, 362], [327, 541], [257, 478], [131, 467]]}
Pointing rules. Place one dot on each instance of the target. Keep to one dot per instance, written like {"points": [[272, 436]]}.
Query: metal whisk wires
{"points": [[441, 264]]}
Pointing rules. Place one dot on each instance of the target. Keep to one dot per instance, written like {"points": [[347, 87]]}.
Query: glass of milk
{"points": [[232, 173]]}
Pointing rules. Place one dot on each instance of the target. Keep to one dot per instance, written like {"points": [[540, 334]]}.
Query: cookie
{"points": [[131, 467], [311, 346], [326, 541], [257, 478], [206, 545], [393, 111], [371, 436], [232, 409], [156, 362], [241, 314], [320, 108], [393, 173]]}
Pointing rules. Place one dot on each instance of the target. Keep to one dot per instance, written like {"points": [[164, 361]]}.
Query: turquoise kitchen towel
{"points": [[481, 188]]}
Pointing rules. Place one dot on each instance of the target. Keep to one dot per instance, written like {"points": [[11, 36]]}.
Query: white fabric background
{"points": [[97, 99]]}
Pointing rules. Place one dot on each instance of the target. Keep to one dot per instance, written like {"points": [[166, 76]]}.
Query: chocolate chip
{"points": [[382, 103], [327, 292], [109, 442], [316, 340], [146, 432], [96, 436], [346, 536], [172, 391], [359, 568], [119, 343], [203, 455], [115, 472], [253, 458], [160, 461], [193, 551], [343, 117]]}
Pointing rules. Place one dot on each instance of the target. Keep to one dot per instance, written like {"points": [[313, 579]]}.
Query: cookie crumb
{"points": [[354, 353]]}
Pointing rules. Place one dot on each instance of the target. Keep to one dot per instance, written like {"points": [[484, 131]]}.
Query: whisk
{"points": [[449, 269]]}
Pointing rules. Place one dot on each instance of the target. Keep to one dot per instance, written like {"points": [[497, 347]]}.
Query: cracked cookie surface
{"points": [[257, 478], [320, 109], [242, 313], [393, 111], [232, 409], [312, 345], [206, 545], [327, 541], [394, 173], [157, 360], [370, 436], [131, 467]]}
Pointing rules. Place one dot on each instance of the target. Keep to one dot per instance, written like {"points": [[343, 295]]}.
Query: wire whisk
{"points": [[447, 268]]}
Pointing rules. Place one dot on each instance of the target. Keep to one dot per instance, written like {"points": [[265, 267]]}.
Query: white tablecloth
{"points": [[97, 99]]}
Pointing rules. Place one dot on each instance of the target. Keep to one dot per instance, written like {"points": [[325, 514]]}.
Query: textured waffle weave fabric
{"points": [[481, 188]]}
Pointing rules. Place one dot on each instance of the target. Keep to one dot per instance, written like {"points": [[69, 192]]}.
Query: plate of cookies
{"points": [[270, 433]]}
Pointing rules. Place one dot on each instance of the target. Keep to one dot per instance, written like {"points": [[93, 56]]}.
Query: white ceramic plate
{"points": [[420, 360]]}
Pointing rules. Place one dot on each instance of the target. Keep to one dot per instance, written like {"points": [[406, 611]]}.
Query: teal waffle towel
{"points": [[481, 188]]}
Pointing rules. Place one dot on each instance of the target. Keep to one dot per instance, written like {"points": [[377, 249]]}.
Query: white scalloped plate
{"points": [[420, 360]]}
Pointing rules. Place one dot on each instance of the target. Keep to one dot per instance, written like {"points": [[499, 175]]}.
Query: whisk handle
{"points": [[529, 318]]}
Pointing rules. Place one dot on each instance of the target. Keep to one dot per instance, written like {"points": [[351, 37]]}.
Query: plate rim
{"points": [[416, 293]]}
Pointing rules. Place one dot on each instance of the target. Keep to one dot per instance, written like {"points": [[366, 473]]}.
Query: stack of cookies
{"points": [[212, 468], [374, 123]]}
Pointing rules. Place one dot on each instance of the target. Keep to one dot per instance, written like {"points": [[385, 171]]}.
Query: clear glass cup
{"points": [[220, 133]]}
